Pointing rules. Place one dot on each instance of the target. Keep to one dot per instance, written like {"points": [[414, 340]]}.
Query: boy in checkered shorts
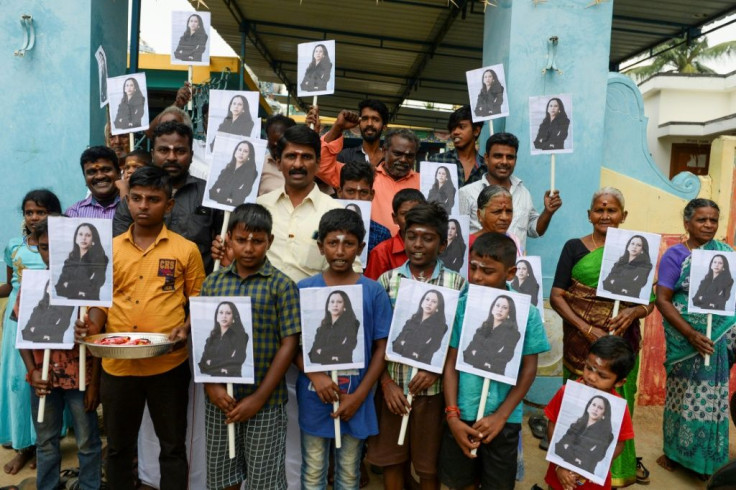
{"points": [[258, 410]]}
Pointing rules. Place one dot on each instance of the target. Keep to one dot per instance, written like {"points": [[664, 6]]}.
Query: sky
{"points": [[158, 34]]}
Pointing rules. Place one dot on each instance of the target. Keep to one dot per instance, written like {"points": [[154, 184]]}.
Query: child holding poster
{"points": [[62, 391], [341, 234], [258, 410], [492, 264], [425, 237], [20, 254], [609, 361]]}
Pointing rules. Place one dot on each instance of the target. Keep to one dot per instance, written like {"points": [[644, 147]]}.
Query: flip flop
{"points": [[538, 425], [667, 463], [642, 473]]}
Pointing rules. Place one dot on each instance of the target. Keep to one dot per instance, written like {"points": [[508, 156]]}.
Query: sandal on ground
{"points": [[538, 425], [642, 473], [544, 443], [68, 474], [667, 463]]}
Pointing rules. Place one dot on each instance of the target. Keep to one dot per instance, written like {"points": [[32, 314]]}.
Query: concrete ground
{"points": [[647, 424]]}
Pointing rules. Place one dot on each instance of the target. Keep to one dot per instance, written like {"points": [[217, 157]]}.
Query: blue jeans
{"points": [[48, 434], [315, 461]]}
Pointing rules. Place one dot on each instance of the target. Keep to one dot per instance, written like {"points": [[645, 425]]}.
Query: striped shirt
{"points": [[441, 276], [89, 208], [275, 312]]}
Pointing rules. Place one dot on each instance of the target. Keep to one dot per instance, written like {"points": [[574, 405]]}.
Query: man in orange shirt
{"points": [[155, 272], [395, 173]]}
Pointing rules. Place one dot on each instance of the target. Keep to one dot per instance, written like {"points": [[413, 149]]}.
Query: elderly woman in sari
{"points": [[695, 436], [587, 317]]}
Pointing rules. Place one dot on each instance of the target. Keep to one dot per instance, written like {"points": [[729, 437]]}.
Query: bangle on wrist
{"points": [[646, 311], [386, 381], [590, 328], [450, 415]]}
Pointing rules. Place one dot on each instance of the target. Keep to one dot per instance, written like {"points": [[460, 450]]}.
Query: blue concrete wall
{"points": [[51, 105], [516, 35]]}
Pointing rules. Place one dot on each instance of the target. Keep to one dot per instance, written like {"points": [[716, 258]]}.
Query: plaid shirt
{"points": [[451, 157], [275, 310], [441, 276]]}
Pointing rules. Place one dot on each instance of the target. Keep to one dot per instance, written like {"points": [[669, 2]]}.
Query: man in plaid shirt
{"points": [[464, 133]]}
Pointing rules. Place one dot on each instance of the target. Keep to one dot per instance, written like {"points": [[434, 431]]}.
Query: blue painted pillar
{"points": [[51, 96], [516, 34]]}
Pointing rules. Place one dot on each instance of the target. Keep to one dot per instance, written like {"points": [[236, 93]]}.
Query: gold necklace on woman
{"points": [[592, 238]]}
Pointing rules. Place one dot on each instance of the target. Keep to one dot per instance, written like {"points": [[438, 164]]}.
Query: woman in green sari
{"points": [[587, 317], [695, 421]]}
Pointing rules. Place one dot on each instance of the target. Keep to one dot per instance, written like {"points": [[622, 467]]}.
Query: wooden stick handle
{"points": [[335, 406], [230, 428], [82, 356], [405, 417], [552, 175], [708, 333], [223, 230], [314, 103], [189, 79], [482, 405], [45, 377], [614, 313]]}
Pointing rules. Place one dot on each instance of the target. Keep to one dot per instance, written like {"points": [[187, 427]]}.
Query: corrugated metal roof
{"points": [[417, 49]]}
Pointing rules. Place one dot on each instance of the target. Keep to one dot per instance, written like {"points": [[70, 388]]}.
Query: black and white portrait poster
{"points": [[235, 171], [80, 260], [316, 68], [455, 256], [492, 337], [190, 38], [528, 280], [332, 328], [586, 431], [421, 325], [550, 124], [438, 182], [234, 112], [128, 99], [711, 283], [487, 92], [42, 325], [629, 260], [222, 339], [363, 208], [102, 74]]}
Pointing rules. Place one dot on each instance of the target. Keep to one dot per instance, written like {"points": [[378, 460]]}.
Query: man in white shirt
{"points": [[500, 158]]}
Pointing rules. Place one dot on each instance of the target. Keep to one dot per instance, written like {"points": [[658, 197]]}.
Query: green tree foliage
{"points": [[680, 56]]}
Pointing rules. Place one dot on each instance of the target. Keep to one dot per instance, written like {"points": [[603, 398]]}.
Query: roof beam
{"points": [[413, 78], [260, 46], [326, 30]]}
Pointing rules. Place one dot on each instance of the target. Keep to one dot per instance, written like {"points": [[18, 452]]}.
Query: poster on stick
{"points": [[421, 325], [222, 333], [551, 124], [627, 270], [332, 328], [492, 337], [487, 93], [586, 431]]}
